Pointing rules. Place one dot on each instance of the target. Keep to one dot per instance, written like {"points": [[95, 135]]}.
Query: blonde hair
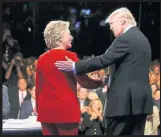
{"points": [[94, 94], [123, 13], [91, 111], [152, 77], [54, 31], [158, 84]]}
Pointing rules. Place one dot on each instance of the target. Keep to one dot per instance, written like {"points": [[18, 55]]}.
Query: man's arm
{"points": [[9, 70], [118, 49], [88, 82]]}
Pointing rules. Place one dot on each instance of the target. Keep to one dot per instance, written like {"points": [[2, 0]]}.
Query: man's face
{"points": [[83, 93], [22, 85], [116, 25], [157, 69]]}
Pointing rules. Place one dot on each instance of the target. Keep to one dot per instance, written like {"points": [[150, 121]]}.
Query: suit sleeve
{"points": [[84, 80], [118, 49], [6, 105]]}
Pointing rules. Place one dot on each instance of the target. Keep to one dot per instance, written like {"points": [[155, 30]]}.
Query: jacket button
{"points": [[94, 132], [95, 129]]}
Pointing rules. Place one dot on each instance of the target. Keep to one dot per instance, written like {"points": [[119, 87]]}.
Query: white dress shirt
{"points": [[20, 96], [33, 102]]}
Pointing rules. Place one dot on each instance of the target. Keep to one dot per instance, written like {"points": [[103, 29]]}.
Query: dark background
{"points": [[91, 38]]}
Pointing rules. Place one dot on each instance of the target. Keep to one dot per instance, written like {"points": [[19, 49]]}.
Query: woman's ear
{"points": [[60, 40]]}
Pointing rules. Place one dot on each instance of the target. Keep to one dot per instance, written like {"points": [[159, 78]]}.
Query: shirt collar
{"points": [[24, 93], [81, 101], [127, 28]]}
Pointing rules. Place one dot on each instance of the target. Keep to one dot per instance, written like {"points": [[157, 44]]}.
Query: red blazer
{"points": [[56, 96]]}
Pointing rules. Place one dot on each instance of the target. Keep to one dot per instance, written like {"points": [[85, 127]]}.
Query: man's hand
{"points": [[65, 65], [12, 62]]}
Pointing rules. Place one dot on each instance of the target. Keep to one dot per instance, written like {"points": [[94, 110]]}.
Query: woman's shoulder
{"points": [[72, 55]]}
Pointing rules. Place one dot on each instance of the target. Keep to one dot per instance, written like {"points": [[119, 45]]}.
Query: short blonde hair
{"points": [[124, 13], [54, 31]]}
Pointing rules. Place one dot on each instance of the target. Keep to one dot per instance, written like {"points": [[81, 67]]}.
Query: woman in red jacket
{"points": [[57, 105]]}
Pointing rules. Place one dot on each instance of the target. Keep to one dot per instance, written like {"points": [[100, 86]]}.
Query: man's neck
{"points": [[82, 99], [127, 27], [24, 90]]}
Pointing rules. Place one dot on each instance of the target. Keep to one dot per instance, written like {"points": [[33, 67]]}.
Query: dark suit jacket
{"points": [[14, 102], [86, 102], [129, 92], [102, 95], [26, 109], [5, 103]]}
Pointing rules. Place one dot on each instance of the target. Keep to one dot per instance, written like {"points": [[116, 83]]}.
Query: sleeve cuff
{"points": [[73, 68]]}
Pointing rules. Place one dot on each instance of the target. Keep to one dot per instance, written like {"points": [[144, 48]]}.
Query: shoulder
{"points": [[72, 55], [133, 32], [69, 52]]}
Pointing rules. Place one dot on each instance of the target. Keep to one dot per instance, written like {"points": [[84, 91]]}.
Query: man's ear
{"points": [[123, 21]]}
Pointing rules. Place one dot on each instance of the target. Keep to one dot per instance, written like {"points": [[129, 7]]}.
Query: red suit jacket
{"points": [[56, 96]]}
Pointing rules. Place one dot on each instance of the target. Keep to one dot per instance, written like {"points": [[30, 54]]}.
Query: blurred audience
{"points": [[157, 98], [152, 126]]}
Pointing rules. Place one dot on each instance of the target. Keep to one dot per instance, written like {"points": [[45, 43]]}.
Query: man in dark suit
{"points": [[17, 96], [129, 96], [28, 107]]}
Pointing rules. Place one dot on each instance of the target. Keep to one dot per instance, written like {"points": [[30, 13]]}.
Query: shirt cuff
{"points": [[73, 68]]}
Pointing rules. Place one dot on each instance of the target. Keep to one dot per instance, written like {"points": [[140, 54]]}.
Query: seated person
{"points": [[28, 107]]}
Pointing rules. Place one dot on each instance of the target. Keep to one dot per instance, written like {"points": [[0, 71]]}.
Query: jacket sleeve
{"points": [[84, 80], [39, 81], [6, 105], [118, 49]]}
